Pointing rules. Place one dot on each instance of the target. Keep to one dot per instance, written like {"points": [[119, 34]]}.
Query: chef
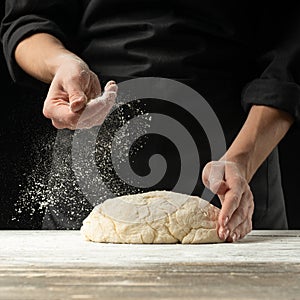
{"points": [[239, 56]]}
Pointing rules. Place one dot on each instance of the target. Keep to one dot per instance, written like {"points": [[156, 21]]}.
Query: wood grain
{"points": [[61, 265]]}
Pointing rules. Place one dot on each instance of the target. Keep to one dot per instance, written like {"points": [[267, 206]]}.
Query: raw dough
{"points": [[152, 217]]}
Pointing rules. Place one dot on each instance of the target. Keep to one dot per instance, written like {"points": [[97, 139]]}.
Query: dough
{"points": [[152, 217]]}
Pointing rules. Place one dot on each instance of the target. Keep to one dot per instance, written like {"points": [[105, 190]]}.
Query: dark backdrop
{"points": [[289, 150], [25, 143], [22, 146]]}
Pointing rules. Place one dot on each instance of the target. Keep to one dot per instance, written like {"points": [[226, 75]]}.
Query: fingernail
{"points": [[74, 109], [234, 237], [226, 221], [227, 234], [77, 105], [221, 233]]}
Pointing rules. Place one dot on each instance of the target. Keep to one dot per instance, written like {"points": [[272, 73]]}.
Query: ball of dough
{"points": [[153, 217]]}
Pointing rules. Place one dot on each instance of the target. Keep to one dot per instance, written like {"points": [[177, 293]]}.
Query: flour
{"points": [[52, 184]]}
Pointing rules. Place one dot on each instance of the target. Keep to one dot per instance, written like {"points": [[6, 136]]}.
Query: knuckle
{"points": [[205, 174], [248, 191], [223, 218], [206, 168], [84, 73], [244, 183], [58, 125], [75, 77], [214, 185], [210, 165], [235, 197], [244, 212], [75, 94], [46, 112], [93, 75], [239, 180]]}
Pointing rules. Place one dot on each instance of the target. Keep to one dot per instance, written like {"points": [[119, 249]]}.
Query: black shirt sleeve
{"points": [[278, 81], [27, 17]]}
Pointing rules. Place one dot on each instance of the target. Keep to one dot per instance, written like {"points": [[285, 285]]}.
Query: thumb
{"points": [[213, 177], [219, 187], [77, 101]]}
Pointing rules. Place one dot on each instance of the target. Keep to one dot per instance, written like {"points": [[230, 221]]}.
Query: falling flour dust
{"points": [[52, 185]]}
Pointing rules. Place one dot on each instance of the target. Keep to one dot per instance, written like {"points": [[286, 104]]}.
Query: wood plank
{"points": [[68, 248], [173, 282], [61, 265]]}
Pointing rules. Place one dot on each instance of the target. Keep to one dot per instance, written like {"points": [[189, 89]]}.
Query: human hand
{"points": [[73, 100], [226, 179]]}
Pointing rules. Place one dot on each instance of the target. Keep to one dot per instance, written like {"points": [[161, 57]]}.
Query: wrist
{"points": [[48, 53], [262, 131], [243, 162], [54, 62]]}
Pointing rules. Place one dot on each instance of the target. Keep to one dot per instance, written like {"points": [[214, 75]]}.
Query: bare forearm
{"points": [[40, 55], [262, 131]]}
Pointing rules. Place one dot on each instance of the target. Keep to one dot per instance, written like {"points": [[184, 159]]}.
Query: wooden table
{"points": [[61, 265]]}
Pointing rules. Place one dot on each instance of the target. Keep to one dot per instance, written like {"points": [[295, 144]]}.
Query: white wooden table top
{"points": [[60, 265], [65, 248]]}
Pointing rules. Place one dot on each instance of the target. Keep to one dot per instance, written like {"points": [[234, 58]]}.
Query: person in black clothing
{"points": [[21, 128], [227, 51]]}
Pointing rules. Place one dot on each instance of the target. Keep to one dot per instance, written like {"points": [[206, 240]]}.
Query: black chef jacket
{"points": [[234, 53]]}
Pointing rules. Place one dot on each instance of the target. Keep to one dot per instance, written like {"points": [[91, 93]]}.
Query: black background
{"points": [[22, 123], [22, 126]]}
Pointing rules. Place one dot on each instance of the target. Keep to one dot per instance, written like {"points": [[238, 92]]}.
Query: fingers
{"points": [[240, 231], [97, 109], [94, 87], [60, 114], [111, 86], [225, 179], [78, 102], [76, 87], [72, 88], [67, 107], [231, 202], [93, 114], [110, 92], [81, 90], [239, 223]]}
